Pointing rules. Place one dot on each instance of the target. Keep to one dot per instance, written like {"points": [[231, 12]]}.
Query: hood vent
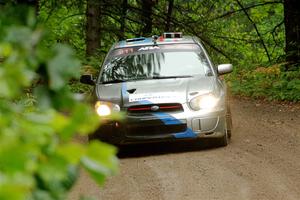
{"points": [[131, 91]]}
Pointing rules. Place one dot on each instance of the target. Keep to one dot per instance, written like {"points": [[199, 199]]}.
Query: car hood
{"points": [[154, 91]]}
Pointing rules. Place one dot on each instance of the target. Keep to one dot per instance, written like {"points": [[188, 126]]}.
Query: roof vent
{"points": [[172, 35], [135, 39]]}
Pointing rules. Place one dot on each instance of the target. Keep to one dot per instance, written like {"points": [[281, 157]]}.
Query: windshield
{"points": [[155, 64]]}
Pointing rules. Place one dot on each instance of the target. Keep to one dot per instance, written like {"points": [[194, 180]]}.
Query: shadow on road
{"points": [[149, 149]]}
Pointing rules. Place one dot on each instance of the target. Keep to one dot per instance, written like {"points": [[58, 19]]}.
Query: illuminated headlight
{"points": [[207, 101], [106, 108]]}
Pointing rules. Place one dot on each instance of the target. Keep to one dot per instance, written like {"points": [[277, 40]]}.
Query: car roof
{"points": [[146, 41]]}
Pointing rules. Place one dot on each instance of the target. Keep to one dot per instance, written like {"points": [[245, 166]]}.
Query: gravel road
{"points": [[261, 162]]}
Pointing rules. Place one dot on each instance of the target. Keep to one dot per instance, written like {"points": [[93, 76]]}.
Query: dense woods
{"points": [[45, 43], [292, 26], [261, 38], [259, 26], [267, 29]]}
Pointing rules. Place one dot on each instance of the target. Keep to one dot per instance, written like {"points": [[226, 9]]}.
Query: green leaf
{"points": [[100, 160], [72, 152]]}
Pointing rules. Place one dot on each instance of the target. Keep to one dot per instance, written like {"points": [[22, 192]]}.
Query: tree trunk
{"points": [[292, 32], [123, 19], [169, 15], [32, 3], [93, 27], [147, 6]]}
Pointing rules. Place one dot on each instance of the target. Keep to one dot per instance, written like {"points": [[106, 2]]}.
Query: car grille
{"points": [[136, 130], [170, 107]]}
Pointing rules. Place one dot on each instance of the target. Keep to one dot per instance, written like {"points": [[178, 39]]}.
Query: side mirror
{"points": [[87, 79], [224, 68]]}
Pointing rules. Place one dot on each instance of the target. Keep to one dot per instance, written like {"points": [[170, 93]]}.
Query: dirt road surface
{"points": [[262, 162]]}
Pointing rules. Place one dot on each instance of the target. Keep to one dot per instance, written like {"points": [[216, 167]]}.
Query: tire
{"points": [[224, 140], [229, 122]]}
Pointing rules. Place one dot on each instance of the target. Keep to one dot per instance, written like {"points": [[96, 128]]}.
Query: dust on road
{"points": [[262, 162]]}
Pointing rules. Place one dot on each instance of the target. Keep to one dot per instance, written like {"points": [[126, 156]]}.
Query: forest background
{"points": [[46, 44], [259, 37]]}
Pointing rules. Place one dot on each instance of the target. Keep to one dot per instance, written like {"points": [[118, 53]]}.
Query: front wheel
{"points": [[224, 140], [229, 122]]}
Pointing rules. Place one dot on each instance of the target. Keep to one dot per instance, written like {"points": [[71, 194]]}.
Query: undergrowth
{"points": [[271, 83]]}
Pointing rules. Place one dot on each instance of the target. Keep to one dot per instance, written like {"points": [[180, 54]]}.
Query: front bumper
{"points": [[164, 126]]}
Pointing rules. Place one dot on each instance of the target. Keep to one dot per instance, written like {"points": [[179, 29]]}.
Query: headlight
{"points": [[106, 108], [207, 101]]}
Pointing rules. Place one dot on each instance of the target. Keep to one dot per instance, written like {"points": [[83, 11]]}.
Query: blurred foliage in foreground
{"points": [[39, 117]]}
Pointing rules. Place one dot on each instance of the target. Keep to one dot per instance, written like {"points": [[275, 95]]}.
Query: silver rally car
{"points": [[168, 89]]}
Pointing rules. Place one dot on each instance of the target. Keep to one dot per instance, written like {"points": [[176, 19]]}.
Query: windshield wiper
{"points": [[114, 81], [145, 78], [166, 77]]}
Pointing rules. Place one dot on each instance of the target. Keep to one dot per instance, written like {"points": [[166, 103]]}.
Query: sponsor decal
{"points": [[122, 49], [161, 97], [147, 48]]}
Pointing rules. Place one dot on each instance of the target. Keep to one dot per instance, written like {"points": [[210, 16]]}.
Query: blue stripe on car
{"points": [[122, 43], [124, 90], [189, 133]]}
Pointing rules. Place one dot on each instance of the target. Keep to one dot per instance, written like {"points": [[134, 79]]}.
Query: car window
{"points": [[155, 63]]}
